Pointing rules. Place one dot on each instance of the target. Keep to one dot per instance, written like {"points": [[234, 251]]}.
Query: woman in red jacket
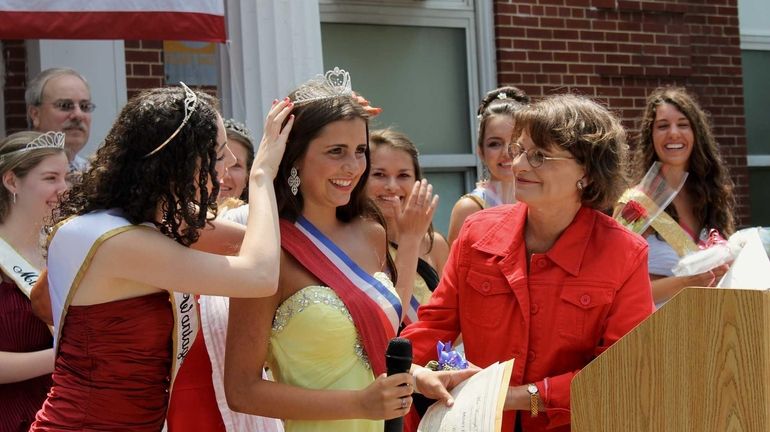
{"points": [[550, 281]]}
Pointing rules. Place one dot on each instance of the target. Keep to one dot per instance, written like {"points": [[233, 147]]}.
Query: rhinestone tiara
{"points": [[240, 129], [190, 104], [332, 84], [49, 139]]}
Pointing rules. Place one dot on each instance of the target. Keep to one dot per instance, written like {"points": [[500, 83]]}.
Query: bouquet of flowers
{"points": [[644, 202], [448, 359]]}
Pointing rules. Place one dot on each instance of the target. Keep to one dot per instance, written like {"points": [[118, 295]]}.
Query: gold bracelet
{"points": [[534, 400]]}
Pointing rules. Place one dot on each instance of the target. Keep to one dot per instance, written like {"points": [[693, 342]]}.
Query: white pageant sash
{"points": [[374, 289], [73, 244], [214, 311], [186, 325], [17, 268]]}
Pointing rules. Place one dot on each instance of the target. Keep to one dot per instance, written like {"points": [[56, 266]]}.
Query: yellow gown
{"points": [[314, 344]]}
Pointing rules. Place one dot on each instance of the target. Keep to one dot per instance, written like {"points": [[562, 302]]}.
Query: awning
{"points": [[192, 20]]}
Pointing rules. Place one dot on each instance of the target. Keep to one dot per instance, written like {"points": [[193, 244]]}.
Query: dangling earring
{"points": [[14, 197], [294, 181], [580, 185]]}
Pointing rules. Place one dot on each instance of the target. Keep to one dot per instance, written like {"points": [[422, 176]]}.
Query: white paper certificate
{"points": [[478, 403]]}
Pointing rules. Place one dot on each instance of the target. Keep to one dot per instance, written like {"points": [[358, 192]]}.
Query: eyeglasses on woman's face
{"points": [[535, 157]]}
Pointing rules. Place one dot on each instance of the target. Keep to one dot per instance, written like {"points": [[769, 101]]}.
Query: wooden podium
{"points": [[700, 363]]}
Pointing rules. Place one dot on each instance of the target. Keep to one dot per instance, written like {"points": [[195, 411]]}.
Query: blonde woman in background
{"points": [[33, 167]]}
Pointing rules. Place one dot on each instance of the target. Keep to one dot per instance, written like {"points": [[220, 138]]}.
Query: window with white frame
{"points": [[426, 64], [755, 53]]}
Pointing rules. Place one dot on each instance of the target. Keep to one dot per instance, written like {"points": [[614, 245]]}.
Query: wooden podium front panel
{"points": [[700, 363]]}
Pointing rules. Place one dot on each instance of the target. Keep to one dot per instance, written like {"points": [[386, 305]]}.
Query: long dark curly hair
{"points": [[180, 179], [708, 184]]}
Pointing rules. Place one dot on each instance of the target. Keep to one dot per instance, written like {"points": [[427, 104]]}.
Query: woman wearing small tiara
{"points": [[234, 191], [120, 253], [33, 167], [325, 332], [495, 115]]}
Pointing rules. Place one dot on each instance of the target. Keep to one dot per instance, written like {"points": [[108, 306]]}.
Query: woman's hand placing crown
{"points": [[274, 138]]}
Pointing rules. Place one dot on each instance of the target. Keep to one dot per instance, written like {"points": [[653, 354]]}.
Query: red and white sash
{"points": [[376, 310]]}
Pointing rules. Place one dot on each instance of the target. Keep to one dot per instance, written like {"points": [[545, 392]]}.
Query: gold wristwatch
{"points": [[534, 400]]}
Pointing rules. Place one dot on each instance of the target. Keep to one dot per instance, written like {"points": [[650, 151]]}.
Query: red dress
{"points": [[193, 404], [21, 331], [112, 368]]}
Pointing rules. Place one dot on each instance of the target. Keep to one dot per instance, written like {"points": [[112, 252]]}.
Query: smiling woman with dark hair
{"points": [[550, 281], [676, 132], [324, 333]]}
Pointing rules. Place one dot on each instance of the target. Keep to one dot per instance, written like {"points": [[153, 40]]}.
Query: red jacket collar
{"points": [[507, 236]]}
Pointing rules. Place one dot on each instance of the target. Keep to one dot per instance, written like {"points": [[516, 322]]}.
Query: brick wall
{"points": [[144, 69], [619, 50], [15, 58], [144, 66]]}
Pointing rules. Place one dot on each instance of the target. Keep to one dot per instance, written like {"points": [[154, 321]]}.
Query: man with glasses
{"points": [[59, 99]]}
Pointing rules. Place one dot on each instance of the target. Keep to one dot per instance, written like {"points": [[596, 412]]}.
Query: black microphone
{"points": [[398, 359]]}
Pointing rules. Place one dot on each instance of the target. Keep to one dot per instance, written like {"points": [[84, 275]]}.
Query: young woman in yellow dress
{"points": [[325, 332]]}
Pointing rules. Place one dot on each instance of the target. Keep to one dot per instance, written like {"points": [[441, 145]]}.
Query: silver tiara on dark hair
{"points": [[190, 104], [49, 139], [332, 84]]}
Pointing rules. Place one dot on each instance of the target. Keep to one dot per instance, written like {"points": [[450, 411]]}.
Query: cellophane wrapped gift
{"points": [[645, 201]]}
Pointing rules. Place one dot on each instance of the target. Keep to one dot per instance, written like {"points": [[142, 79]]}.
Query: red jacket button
{"points": [[585, 299], [534, 308]]}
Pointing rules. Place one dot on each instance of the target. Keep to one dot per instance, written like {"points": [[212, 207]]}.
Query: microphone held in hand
{"points": [[398, 359]]}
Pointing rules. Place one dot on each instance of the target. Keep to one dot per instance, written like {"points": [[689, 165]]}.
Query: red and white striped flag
{"points": [[193, 20]]}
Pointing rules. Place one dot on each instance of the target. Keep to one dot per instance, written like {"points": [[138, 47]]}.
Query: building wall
{"points": [[619, 50], [15, 57], [144, 66], [144, 69]]}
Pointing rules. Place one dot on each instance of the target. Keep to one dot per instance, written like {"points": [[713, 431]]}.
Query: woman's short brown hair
{"points": [[590, 132]]}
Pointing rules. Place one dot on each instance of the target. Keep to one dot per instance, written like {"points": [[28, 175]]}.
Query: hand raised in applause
{"points": [[415, 217], [274, 138]]}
